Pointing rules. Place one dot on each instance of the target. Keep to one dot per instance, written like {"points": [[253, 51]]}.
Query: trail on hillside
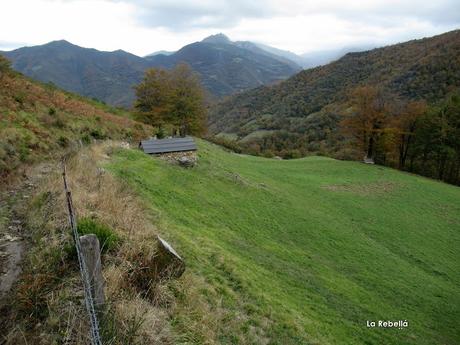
{"points": [[13, 232]]}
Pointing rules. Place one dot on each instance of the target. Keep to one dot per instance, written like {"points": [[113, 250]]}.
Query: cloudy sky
{"points": [[145, 26]]}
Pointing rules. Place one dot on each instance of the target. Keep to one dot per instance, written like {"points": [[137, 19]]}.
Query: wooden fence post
{"points": [[91, 252]]}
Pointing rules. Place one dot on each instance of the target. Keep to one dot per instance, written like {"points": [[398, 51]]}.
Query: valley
{"points": [[235, 197]]}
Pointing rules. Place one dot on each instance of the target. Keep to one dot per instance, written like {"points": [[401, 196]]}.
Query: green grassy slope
{"points": [[305, 251]]}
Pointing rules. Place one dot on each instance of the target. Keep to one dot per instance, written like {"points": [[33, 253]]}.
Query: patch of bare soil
{"points": [[11, 253], [13, 235], [365, 189], [11, 242]]}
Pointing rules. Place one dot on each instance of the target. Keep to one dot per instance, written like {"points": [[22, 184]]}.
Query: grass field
{"points": [[306, 251]]}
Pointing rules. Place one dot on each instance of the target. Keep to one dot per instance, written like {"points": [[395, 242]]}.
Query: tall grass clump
{"points": [[108, 240]]}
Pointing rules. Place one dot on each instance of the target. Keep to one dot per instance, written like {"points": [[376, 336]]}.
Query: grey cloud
{"points": [[439, 12], [436, 15], [177, 15], [182, 15]]}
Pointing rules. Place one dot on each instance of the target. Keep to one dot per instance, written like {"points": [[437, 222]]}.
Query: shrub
{"points": [[97, 134], [161, 133], [348, 153], [63, 141], [228, 144], [86, 139], [19, 98], [268, 154], [59, 122], [107, 238]]}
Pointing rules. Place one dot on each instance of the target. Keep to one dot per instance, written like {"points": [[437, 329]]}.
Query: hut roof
{"points": [[168, 145]]}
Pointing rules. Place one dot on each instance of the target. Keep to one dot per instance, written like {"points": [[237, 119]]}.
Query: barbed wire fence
{"points": [[85, 276]]}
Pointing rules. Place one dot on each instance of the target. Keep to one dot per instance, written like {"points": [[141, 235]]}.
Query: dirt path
{"points": [[11, 241], [13, 233], [13, 253]]}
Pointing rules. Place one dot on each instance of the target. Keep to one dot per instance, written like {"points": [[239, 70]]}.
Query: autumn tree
{"points": [[187, 101], [367, 121], [404, 126], [174, 98], [153, 97]]}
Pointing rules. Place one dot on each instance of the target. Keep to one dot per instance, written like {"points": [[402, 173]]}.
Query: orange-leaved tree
{"points": [[174, 98], [405, 126], [368, 120], [153, 98]]}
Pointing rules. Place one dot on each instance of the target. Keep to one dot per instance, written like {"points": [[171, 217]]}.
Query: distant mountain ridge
{"points": [[323, 57], [316, 58], [161, 52], [225, 67], [228, 67], [107, 76]]}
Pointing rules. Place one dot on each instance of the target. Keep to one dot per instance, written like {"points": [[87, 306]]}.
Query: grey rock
{"points": [[186, 162], [168, 264]]}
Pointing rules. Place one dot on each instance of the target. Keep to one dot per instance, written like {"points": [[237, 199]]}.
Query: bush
{"points": [[86, 139], [19, 98], [59, 122], [228, 144], [161, 133], [97, 134], [63, 141], [107, 238], [348, 154]]}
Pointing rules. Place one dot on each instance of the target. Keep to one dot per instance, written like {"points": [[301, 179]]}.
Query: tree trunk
{"points": [[401, 152], [370, 148]]}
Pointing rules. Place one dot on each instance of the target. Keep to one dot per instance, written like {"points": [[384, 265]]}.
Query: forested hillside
{"points": [[427, 69], [302, 115]]}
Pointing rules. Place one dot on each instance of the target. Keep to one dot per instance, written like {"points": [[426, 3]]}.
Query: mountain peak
{"points": [[60, 44], [218, 38]]}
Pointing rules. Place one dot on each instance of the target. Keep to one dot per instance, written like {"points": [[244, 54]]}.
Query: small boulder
{"points": [[168, 264], [186, 162]]}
